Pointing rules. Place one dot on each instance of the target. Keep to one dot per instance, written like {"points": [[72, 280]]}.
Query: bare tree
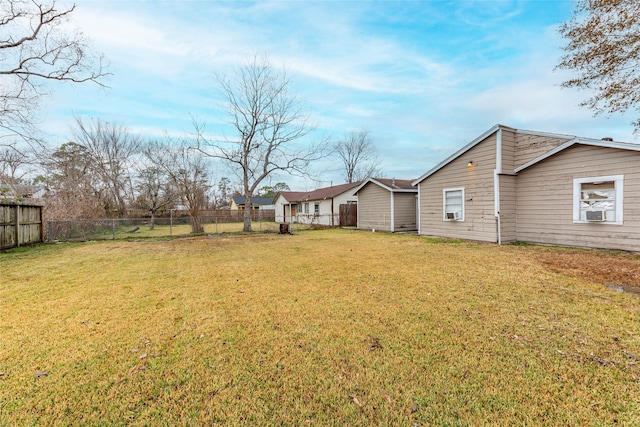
{"points": [[113, 150], [14, 165], [35, 49], [155, 191], [189, 173], [358, 155], [224, 191], [603, 46], [271, 126], [75, 190]]}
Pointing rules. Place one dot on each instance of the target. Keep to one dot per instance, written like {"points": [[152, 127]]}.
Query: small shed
{"points": [[20, 224], [387, 205]]}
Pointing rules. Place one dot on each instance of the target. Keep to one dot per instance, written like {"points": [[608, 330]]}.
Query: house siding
{"points": [[329, 212], [478, 182], [404, 216], [545, 199], [528, 146], [344, 198], [374, 208], [508, 201], [322, 218], [507, 187], [280, 209], [508, 150]]}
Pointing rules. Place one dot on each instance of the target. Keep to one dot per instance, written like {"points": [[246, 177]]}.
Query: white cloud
{"points": [[424, 77]]}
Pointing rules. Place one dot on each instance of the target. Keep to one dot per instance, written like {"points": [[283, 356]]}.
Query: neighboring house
{"points": [[515, 185], [22, 191], [321, 206], [387, 205], [237, 203]]}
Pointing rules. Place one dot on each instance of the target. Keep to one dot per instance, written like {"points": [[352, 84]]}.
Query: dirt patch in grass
{"points": [[605, 267]]}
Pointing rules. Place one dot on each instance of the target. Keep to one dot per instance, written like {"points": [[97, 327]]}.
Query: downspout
{"points": [[418, 212], [496, 185], [357, 215]]}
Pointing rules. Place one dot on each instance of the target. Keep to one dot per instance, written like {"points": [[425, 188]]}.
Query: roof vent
{"points": [[607, 138]]}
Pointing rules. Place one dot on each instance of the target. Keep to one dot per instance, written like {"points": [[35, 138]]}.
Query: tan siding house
{"points": [[457, 200], [514, 185], [549, 199], [387, 205]]}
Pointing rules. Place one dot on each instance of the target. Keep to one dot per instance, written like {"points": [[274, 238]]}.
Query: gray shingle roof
{"points": [[255, 201], [318, 194]]}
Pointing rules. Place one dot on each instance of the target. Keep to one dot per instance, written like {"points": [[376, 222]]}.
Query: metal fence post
{"points": [[49, 231], [113, 228]]}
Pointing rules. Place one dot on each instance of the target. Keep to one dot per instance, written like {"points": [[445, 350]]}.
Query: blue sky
{"points": [[424, 78]]}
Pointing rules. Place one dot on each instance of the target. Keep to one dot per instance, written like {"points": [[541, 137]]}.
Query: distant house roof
{"points": [[318, 194], [25, 190], [390, 184], [255, 201]]}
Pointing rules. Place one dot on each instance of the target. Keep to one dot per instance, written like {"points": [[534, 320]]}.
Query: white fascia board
{"points": [[367, 181], [280, 196], [457, 154], [379, 184], [418, 211]]}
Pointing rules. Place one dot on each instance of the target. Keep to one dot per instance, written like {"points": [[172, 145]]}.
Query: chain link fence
{"points": [[128, 228]]}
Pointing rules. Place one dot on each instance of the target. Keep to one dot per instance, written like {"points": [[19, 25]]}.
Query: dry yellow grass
{"points": [[319, 328]]}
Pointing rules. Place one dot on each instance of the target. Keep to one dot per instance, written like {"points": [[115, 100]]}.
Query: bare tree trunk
{"points": [[152, 221], [196, 224], [247, 214]]}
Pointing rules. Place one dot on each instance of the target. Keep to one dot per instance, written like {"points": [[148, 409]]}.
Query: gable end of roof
{"points": [[581, 141], [390, 184], [460, 152]]}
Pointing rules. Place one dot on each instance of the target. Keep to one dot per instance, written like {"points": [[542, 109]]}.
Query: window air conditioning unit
{"points": [[454, 215], [596, 216]]}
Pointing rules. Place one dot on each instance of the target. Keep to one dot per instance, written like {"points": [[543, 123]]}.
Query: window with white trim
{"points": [[316, 208], [453, 204], [306, 208], [598, 199]]}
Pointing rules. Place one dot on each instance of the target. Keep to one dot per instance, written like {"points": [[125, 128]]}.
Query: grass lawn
{"points": [[324, 327], [142, 231], [185, 229]]}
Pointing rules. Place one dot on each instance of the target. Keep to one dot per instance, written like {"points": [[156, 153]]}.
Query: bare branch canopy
{"points": [[35, 49], [603, 47], [358, 155], [270, 127]]}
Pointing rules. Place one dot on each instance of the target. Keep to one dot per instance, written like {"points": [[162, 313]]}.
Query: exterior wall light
{"points": [[470, 164]]}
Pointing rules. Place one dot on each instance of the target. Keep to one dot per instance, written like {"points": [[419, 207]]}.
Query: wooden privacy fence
{"points": [[20, 224], [349, 215]]}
